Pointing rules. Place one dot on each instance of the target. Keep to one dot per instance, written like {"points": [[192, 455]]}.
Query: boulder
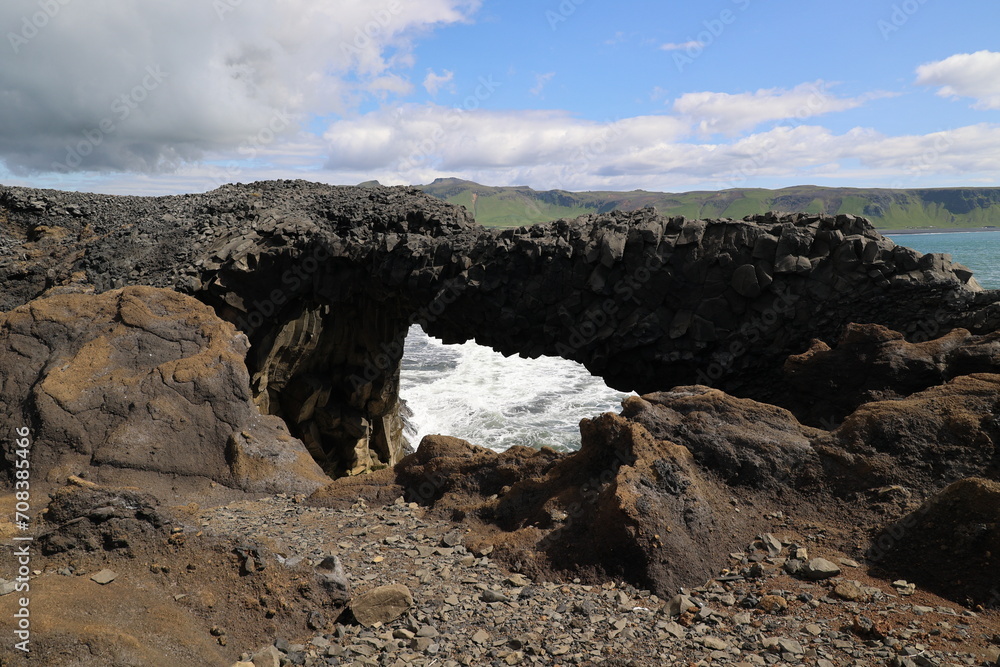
{"points": [[950, 544], [818, 569], [381, 605], [269, 656], [741, 440], [144, 380], [926, 440], [626, 505]]}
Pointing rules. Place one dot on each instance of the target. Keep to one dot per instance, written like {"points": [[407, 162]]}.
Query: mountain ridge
{"points": [[932, 208]]}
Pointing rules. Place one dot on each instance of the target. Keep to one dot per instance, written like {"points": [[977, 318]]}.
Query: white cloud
{"points": [[541, 80], [549, 149], [618, 38], [975, 75], [682, 46], [731, 114], [557, 150], [415, 137], [76, 89], [433, 82]]}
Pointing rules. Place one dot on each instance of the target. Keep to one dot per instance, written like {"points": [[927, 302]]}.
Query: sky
{"points": [[153, 97]]}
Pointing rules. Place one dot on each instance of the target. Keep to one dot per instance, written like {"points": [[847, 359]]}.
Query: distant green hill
{"points": [[887, 209]]}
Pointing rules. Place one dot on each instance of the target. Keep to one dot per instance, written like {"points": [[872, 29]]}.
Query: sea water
{"points": [[980, 251], [471, 392]]}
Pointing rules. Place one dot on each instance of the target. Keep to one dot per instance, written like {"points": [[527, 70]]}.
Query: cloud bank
{"points": [[143, 86], [196, 93]]}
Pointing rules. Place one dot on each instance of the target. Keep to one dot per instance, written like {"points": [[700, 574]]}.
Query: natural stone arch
{"points": [[326, 280]]}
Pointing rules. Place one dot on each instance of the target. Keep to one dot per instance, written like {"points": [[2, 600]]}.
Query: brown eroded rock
{"points": [[144, 380], [925, 441], [872, 363], [740, 440], [626, 505], [381, 605], [177, 595]]}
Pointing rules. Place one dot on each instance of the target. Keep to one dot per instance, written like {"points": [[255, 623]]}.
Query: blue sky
{"points": [[156, 97]]}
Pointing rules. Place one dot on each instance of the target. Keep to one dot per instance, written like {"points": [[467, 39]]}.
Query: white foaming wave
{"points": [[471, 392]]}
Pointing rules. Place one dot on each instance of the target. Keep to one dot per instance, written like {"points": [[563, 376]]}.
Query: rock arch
{"points": [[326, 280]]}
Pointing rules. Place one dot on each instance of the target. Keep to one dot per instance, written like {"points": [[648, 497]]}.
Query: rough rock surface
{"points": [[872, 363], [469, 609], [325, 282], [145, 380], [924, 441], [950, 544], [381, 605], [626, 505], [179, 596], [740, 440]]}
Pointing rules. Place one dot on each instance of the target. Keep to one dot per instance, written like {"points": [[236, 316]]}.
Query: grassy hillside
{"points": [[888, 209]]}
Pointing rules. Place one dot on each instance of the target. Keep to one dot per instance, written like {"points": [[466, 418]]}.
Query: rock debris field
{"points": [[467, 610]]}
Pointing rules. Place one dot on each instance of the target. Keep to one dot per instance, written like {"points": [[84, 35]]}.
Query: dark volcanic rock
{"points": [[145, 380], [92, 518], [927, 440], [951, 544], [326, 280], [654, 494]]}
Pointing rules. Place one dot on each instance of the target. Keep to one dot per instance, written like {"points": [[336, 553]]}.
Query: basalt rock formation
{"points": [[785, 361], [872, 363], [325, 281]]}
